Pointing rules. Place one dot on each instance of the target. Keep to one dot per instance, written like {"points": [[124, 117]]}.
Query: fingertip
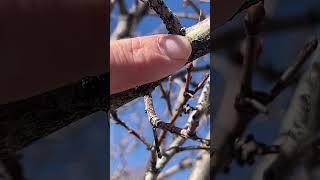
{"points": [[176, 47], [141, 60]]}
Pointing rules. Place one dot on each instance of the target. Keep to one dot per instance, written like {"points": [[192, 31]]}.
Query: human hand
{"points": [[141, 60]]}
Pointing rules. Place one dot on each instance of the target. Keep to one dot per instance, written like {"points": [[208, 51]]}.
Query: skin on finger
{"points": [[141, 60]]}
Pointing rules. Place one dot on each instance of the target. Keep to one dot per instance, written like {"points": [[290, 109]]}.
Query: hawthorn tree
{"points": [[167, 117]]}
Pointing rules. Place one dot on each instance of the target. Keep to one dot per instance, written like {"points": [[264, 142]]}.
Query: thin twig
{"points": [[188, 79], [193, 122], [200, 12], [201, 84], [115, 117], [292, 70], [190, 148], [179, 110], [166, 96], [178, 141], [195, 69]]}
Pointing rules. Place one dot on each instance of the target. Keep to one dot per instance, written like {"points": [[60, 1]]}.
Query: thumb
{"points": [[141, 60]]}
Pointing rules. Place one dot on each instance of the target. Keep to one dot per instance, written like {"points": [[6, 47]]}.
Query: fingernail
{"points": [[175, 47]]}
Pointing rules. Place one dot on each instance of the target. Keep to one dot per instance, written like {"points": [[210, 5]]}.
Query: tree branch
{"points": [[186, 163], [227, 35], [115, 117], [198, 35], [178, 141], [171, 21], [128, 22], [300, 125], [157, 123], [25, 121]]}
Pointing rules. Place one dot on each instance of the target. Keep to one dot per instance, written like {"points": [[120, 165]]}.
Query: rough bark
{"points": [[28, 120]]}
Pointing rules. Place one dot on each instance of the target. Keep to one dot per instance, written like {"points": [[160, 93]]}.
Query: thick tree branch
{"points": [[25, 121], [300, 126], [198, 35]]}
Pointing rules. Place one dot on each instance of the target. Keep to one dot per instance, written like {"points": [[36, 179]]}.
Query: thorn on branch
{"points": [[292, 70]]}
